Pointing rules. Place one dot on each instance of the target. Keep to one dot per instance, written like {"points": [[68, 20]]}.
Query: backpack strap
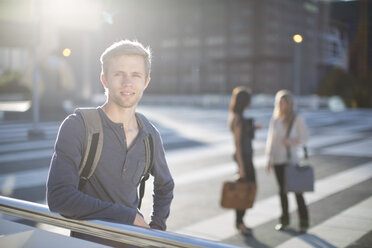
{"points": [[149, 150], [149, 147], [93, 143]]}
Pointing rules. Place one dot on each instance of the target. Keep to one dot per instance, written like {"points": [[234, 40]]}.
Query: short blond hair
{"points": [[126, 47]]}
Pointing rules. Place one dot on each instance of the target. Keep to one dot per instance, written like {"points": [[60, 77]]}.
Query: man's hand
{"points": [[140, 221]]}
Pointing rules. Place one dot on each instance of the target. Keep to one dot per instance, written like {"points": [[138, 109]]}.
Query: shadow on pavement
{"points": [[315, 241], [253, 242]]}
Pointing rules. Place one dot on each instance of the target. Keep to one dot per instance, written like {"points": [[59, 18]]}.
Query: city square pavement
{"points": [[199, 152]]}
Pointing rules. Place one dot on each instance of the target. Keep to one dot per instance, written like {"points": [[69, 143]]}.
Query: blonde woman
{"points": [[281, 151]]}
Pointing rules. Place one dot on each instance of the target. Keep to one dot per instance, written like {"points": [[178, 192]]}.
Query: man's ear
{"points": [[103, 80], [147, 82]]}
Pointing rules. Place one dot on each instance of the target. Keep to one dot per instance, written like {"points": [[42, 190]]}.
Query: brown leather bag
{"points": [[238, 195]]}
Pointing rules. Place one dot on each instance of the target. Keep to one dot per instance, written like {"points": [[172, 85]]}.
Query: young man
{"points": [[111, 193]]}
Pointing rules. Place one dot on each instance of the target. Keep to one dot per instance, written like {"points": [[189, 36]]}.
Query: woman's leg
{"points": [[240, 224], [302, 211], [250, 177], [279, 173], [250, 174], [239, 217]]}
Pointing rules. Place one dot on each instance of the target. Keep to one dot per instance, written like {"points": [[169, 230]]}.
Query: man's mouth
{"points": [[124, 93]]}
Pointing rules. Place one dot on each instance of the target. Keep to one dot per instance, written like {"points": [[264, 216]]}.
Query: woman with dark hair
{"points": [[287, 131], [243, 132]]}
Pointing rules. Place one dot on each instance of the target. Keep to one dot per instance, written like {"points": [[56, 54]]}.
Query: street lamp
{"points": [[35, 131], [297, 38], [66, 52]]}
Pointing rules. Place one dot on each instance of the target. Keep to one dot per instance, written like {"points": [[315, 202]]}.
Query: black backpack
{"points": [[94, 144]]}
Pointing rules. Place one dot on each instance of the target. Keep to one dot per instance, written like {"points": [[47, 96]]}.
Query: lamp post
{"points": [[297, 38], [35, 131]]}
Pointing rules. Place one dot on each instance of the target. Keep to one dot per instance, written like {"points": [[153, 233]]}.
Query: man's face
{"points": [[126, 80]]}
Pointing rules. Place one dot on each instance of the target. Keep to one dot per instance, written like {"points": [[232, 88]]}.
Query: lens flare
{"points": [[66, 52]]}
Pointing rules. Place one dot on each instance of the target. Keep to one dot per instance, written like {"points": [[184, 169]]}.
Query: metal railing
{"points": [[126, 234]]}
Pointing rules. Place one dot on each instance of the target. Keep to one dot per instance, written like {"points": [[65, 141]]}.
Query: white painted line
{"points": [[30, 178], [205, 174], [23, 136], [355, 127], [227, 147], [25, 179], [338, 231], [326, 140], [14, 147], [213, 172], [222, 226], [360, 148], [191, 155], [22, 126], [24, 156]]}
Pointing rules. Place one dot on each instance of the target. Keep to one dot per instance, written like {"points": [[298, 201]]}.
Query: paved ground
{"points": [[198, 149]]}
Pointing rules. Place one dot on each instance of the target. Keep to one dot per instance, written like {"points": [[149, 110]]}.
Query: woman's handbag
{"points": [[298, 178], [238, 195]]}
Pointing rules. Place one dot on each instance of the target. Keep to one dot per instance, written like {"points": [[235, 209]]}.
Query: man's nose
{"points": [[126, 79]]}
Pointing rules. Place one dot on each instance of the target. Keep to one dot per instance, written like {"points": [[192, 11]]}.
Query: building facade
{"points": [[199, 46], [211, 46]]}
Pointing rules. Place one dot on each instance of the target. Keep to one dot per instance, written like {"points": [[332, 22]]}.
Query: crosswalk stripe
{"points": [[18, 135], [359, 148], [13, 181], [15, 147], [26, 155], [338, 231], [265, 210], [213, 172], [191, 155], [30, 178], [19, 132], [194, 154], [326, 140], [218, 142], [28, 125], [201, 134], [24, 128]]}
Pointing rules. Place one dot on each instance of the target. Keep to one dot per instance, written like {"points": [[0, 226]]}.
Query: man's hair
{"points": [[126, 47]]}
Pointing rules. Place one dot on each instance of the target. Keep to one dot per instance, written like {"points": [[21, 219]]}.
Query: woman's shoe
{"points": [[245, 231], [281, 227], [304, 225], [303, 229]]}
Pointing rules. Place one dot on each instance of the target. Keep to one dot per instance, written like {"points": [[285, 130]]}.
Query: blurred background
{"points": [[49, 49], [319, 49]]}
